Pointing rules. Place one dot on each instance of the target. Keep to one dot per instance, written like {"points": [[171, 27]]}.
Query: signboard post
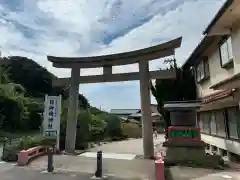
{"points": [[52, 113]]}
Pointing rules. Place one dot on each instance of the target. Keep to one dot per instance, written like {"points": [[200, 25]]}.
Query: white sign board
{"points": [[52, 113]]}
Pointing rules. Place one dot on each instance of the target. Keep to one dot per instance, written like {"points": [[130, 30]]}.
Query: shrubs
{"points": [[48, 141], [83, 133], [10, 152], [29, 142], [17, 110], [114, 128], [13, 146], [131, 130], [97, 128], [90, 128]]}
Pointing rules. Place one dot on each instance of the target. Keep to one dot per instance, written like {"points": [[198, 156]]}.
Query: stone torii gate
{"points": [[141, 57]]}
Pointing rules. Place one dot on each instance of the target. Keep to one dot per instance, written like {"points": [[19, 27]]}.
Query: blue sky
{"points": [[36, 28]]}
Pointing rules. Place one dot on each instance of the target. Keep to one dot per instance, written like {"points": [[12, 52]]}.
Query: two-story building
{"points": [[216, 64]]}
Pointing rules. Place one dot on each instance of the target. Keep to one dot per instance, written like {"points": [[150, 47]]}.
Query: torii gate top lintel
{"points": [[150, 53]]}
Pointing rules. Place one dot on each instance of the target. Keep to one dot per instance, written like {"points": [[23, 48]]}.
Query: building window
{"points": [[202, 70], [213, 124], [200, 121], [223, 123], [220, 121], [206, 122], [206, 69], [226, 52], [233, 124]]}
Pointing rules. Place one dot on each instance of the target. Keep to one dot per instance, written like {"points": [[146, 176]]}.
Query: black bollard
{"points": [[98, 172], [50, 167]]}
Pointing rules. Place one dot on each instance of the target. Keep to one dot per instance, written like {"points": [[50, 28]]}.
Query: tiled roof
{"points": [[124, 111], [139, 114], [135, 115]]}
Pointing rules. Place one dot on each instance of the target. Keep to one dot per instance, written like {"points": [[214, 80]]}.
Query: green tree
{"points": [[15, 107], [95, 111], [114, 127], [83, 129], [83, 133], [36, 80], [181, 88], [98, 127]]}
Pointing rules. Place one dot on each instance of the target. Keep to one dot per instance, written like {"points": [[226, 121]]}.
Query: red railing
{"points": [[25, 156]]}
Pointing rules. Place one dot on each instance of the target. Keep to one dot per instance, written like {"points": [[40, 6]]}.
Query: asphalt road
{"points": [[132, 146], [10, 172]]}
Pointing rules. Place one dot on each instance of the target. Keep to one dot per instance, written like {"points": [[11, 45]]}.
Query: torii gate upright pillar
{"points": [[72, 111], [147, 129]]}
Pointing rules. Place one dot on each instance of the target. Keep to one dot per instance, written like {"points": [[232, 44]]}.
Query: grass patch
{"points": [[16, 135]]}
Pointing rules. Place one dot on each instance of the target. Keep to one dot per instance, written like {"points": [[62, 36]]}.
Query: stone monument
{"points": [[184, 145]]}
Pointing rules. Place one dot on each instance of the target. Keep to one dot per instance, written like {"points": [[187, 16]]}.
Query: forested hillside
{"points": [[36, 80], [24, 84]]}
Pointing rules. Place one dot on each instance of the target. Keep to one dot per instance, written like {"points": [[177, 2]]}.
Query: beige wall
{"points": [[236, 49], [226, 144], [217, 73]]}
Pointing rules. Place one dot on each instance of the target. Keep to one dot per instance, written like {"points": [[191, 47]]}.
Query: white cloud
{"points": [[89, 27]]}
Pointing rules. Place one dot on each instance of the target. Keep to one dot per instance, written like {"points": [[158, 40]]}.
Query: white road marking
{"points": [[44, 172], [4, 162], [110, 155], [73, 175], [227, 176], [218, 175], [223, 175]]}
